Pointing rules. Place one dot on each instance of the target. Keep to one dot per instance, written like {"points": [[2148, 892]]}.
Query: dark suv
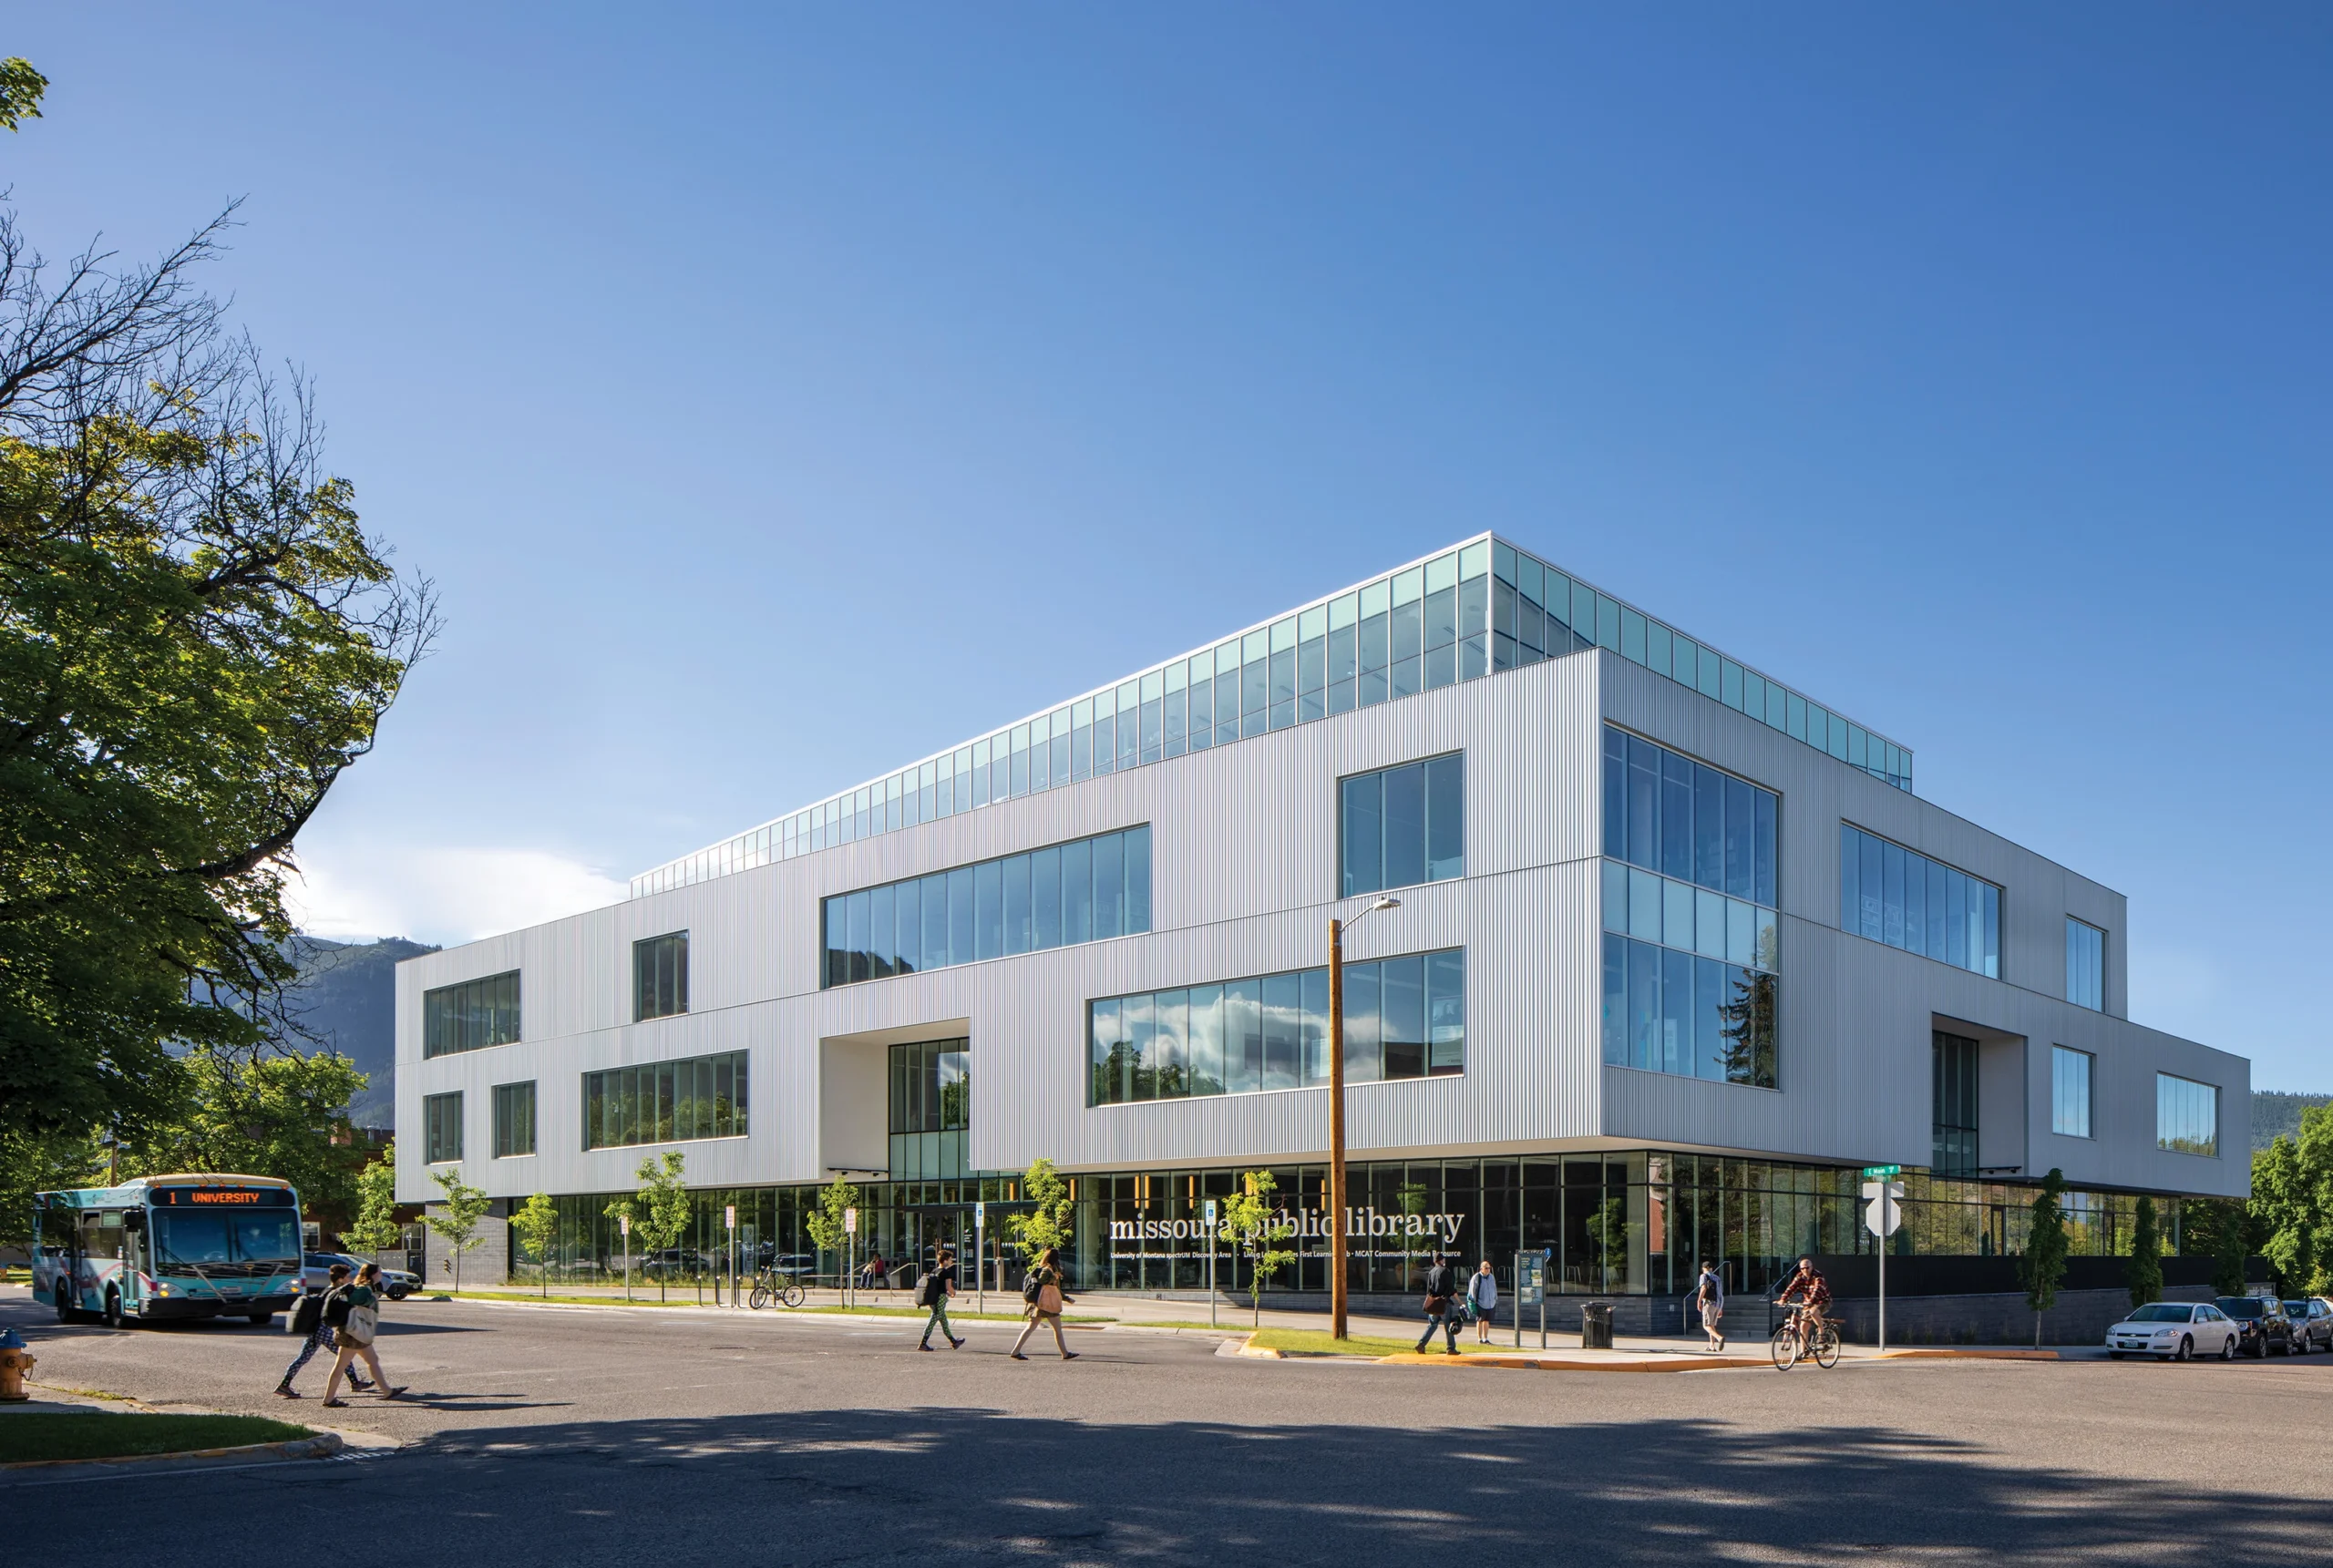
{"points": [[2263, 1324], [2312, 1323]]}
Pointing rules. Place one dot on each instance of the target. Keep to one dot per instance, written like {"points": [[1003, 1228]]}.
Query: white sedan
{"points": [[2175, 1331]]}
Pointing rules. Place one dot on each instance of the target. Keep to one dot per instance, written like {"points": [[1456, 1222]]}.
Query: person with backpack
{"points": [[938, 1284], [1441, 1297], [1482, 1295], [1709, 1295], [354, 1311], [308, 1319], [1041, 1291]]}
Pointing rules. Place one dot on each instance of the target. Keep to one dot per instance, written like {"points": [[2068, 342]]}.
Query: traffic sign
{"points": [[623, 1223], [980, 1216], [733, 1216], [1883, 1209], [1874, 1173], [1208, 1207], [850, 1221]]}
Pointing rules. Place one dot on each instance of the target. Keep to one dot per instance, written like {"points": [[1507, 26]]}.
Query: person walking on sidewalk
{"points": [[308, 1319], [1482, 1291], [354, 1312], [933, 1290], [1709, 1295], [1441, 1299], [1041, 1291]]}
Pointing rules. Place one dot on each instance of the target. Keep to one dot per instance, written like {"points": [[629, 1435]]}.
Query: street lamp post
{"points": [[1337, 1269]]}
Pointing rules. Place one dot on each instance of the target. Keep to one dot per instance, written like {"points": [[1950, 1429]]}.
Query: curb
{"points": [[1943, 1355], [1560, 1364], [323, 1445]]}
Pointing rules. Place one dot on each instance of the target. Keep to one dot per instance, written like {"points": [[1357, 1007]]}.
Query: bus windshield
{"points": [[204, 1240]]}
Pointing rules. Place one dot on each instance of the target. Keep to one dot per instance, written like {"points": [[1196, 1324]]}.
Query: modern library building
{"points": [[1673, 951]]}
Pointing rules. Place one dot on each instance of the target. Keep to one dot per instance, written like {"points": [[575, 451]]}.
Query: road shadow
{"points": [[954, 1483]]}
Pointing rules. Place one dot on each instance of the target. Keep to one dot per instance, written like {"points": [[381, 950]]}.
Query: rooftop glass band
{"points": [[1467, 613]]}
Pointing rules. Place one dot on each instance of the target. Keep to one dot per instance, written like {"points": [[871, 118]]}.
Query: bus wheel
{"points": [[261, 1318], [64, 1303], [113, 1310]]}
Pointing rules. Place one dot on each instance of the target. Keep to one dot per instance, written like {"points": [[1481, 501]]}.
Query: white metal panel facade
{"points": [[1244, 870]]}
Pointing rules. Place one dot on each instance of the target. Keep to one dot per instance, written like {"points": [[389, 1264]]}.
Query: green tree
{"points": [[20, 90], [826, 1221], [457, 1216], [197, 638], [663, 1208], [375, 1227], [2283, 1213], [283, 1115], [30, 1164], [1047, 1221], [2043, 1265], [538, 1227], [1254, 1224], [2144, 1271]]}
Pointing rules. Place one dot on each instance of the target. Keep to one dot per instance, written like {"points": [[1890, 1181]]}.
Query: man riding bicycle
{"points": [[1811, 1293]]}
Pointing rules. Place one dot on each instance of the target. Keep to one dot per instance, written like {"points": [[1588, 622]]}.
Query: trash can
{"points": [[1595, 1325]]}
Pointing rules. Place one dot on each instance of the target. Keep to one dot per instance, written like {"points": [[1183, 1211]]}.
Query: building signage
{"points": [[1369, 1232]]}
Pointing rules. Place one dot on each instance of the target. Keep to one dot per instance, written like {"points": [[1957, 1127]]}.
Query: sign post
{"points": [[851, 1256], [1883, 1211], [623, 1223], [1209, 1211], [980, 1256], [732, 1216]]}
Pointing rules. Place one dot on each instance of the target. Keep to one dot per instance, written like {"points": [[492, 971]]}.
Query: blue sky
{"points": [[779, 395]]}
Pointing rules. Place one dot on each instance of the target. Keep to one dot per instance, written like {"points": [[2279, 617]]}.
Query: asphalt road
{"points": [[584, 1436]]}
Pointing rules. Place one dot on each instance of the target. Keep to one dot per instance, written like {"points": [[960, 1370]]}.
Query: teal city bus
{"points": [[161, 1247]]}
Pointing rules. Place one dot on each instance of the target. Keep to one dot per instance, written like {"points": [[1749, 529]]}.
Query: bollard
{"points": [[15, 1362]]}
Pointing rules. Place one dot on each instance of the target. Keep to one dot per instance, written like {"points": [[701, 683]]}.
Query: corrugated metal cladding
{"points": [[1244, 870], [1857, 1017]]}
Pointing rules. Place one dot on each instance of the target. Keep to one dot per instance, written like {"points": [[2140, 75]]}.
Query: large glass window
{"points": [[1686, 820], [470, 1016], [660, 976], [931, 1109], [1464, 614], [1400, 826], [2186, 1115], [2070, 1071], [514, 1120], [1086, 891], [1897, 895], [1404, 1017], [1953, 1106], [665, 1101], [441, 1127], [2085, 965], [1674, 1011]]}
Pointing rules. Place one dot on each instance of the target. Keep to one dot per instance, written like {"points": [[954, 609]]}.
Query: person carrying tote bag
{"points": [[354, 1312], [1042, 1290]]}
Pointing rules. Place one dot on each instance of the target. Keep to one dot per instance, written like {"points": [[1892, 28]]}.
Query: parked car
{"points": [[793, 1265], [2312, 1322], [674, 1263], [2263, 1323], [2175, 1331], [315, 1273]]}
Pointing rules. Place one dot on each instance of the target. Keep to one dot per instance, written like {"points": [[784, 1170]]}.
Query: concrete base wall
{"points": [[488, 1262], [2080, 1317]]}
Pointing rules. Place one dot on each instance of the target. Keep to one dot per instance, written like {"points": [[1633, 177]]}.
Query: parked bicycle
{"points": [[773, 1283], [1796, 1341]]}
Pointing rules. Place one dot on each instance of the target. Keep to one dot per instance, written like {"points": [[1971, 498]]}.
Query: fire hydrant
{"points": [[15, 1362]]}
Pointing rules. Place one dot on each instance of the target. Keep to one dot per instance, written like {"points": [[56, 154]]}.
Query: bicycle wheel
{"points": [[1785, 1349], [789, 1294], [760, 1298], [1826, 1347]]}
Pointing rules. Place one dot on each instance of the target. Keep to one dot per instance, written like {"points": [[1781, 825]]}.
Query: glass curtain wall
{"points": [[1897, 895], [679, 1101], [2186, 1115], [1473, 612], [1400, 826], [1404, 1017], [1087, 890], [1953, 1105], [931, 1109]]}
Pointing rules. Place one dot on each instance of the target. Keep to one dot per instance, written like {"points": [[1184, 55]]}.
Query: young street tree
{"points": [[1047, 1221], [197, 638], [826, 1222], [2044, 1263], [538, 1227], [661, 1210], [455, 1220], [2144, 1270], [1253, 1225], [375, 1227]]}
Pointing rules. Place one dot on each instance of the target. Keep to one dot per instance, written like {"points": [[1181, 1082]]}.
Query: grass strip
{"points": [[44, 1435], [1316, 1342]]}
